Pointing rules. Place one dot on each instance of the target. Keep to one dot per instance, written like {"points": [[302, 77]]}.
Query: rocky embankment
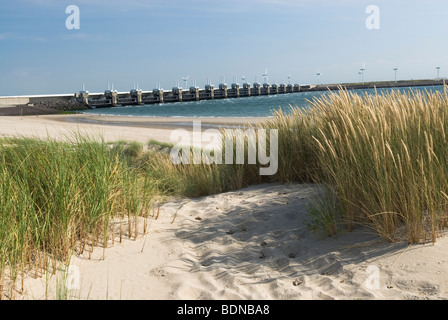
{"points": [[61, 105], [42, 108]]}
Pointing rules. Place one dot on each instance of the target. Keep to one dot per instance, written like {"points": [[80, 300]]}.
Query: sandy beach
{"points": [[254, 244], [246, 244], [111, 128]]}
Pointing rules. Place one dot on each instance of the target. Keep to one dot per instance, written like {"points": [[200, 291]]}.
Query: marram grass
{"points": [[58, 198], [385, 157]]}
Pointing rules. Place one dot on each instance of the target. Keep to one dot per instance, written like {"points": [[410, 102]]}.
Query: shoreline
{"points": [[109, 128], [160, 122]]}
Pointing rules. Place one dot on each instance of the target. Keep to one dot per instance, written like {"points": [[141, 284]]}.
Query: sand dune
{"points": [[254, 244], [247, 244]]}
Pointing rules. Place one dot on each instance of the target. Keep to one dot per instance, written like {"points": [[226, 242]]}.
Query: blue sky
{"points": [[146, 42]]}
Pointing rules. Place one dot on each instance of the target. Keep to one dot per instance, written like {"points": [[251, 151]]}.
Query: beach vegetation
{"points": [[384, 156], [60, 198], [381, 159]]}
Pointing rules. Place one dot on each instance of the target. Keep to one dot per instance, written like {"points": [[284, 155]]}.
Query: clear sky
{"points": [[145, 42]]}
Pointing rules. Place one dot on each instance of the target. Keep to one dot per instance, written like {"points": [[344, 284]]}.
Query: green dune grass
{"points": [[382, 157]]}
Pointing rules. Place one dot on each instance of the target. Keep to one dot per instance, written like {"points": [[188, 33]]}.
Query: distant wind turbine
{"points": [[289, 78], [186, 81], [318, 74], [265, 76]]}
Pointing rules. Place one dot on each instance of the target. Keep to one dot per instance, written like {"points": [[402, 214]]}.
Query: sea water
{"points": [[255, 106]]}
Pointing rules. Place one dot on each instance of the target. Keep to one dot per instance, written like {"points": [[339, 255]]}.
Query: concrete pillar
{"points": [[257, 88], [223, 88], [160, 95], [247, 86], [138, 95], [211, 89], [177, 91], [85, 98], [196, 92], [236, 87], [114, 98], [267, 88]]}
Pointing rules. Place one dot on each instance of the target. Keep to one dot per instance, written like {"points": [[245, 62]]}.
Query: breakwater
{"points": [[113, 98]]}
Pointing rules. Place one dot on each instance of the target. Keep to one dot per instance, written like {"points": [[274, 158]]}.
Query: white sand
{"points": [[142, 128], [48, 126], [253, 244], [247, 244]]}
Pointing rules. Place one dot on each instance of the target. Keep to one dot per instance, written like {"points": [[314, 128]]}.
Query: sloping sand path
{"points": [[254, 244]]}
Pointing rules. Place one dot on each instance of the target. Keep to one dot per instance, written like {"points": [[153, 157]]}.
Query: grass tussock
{"points": [[58, 198], [385, 157]]}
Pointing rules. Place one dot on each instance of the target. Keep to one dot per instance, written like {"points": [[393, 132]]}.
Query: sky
{"points": [[156, 42]]}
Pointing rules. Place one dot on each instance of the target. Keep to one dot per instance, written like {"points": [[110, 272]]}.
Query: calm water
{"points": [[259, 106]]}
